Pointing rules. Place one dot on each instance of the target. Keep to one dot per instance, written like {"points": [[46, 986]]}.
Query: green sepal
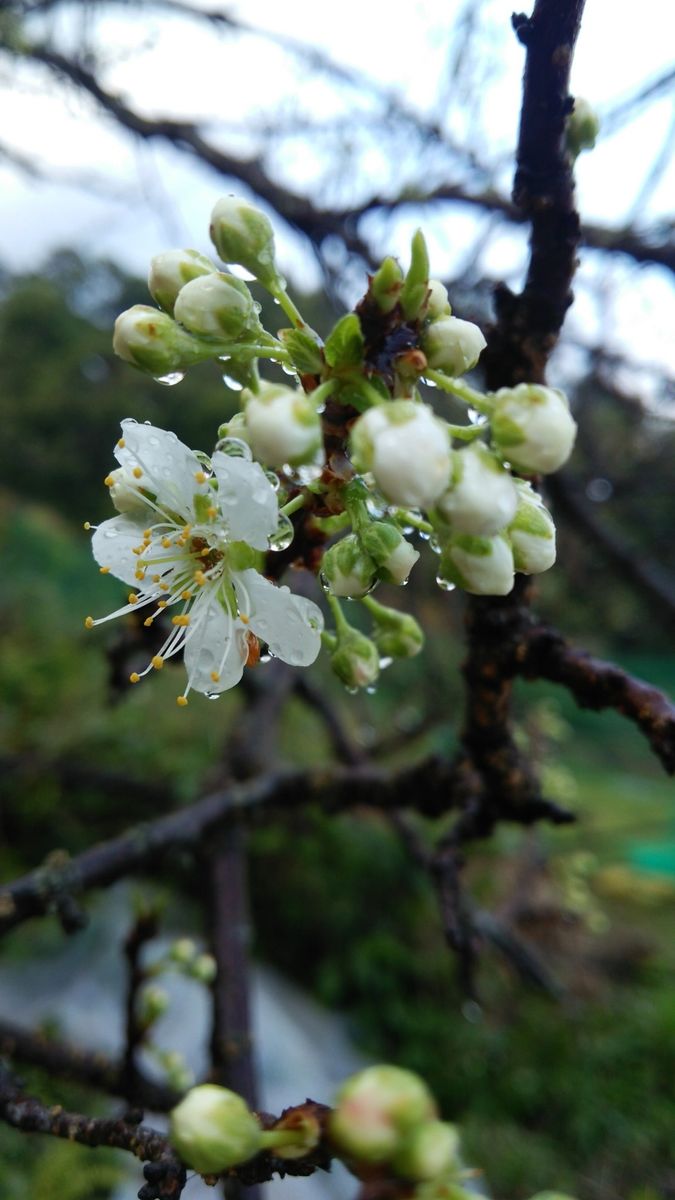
{"points": [[416, 285], [345, 344], [306, 355], [386, 285]]}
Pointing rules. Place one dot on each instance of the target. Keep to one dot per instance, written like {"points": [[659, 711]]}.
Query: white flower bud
{"points": [[151, 340], [348, 570], [215, 305], [438, 303], [213, 1129], [533, 428], [480, 565], [356, 659], [386, 545], [204, 968], [183, 951], [243, 234], [428, 1151], [532, 532], [282, 425], [482, 497], [452, 345], [154, 1001], [407, 448], [170, 271], [374, 1111]]}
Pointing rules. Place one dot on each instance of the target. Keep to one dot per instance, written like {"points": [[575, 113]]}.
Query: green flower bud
{"points": [[235, 428], [356, 659], [204, 968], [347, 569], [480, 565], [213, 1129], [376, 1109], [216, 305], [482, 497], [170, 271], [154, 1002], [282, 424], [152, 341], [583, 127], [532, 532], [386, 545], [396, 634], [386, 284], [429, 1151], [443, 1188], [533, 428], [452, 345], [183, 951], [407, 448], [243, 234], [438, 303]]}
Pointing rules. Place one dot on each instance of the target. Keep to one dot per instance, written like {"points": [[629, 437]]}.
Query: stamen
{"points": [[212, 512], [134, 677], [181, 701], [180, 620], [148, 622], [87, 525], [157, 662], [200, 477], [108, 481], [244, 618], [132, 598], [104, 570], [137, 472], [215, 676], [121, 443], [186, 595], [89, 622], [200, 578]]}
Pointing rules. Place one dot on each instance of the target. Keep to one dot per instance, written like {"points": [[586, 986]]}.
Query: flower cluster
{"points": [[193, 531]]}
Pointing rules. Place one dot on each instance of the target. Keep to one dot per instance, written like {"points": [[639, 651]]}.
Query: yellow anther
{"points": [[157, 662], [200, 477], [180, 541], [104, 570], [183, 620], [167, 543], [163, 587], [89, 622], [148, 622], [137, 472], [156, 578], [186, 595], [162, 603], [133, 598], [147, 535], [186, 529], [121, 443], [139, 574], [137, 549], [200, 578], [87, 525], [134, 677], [181, 701], [108, 481], [215, 675], [212, 512], [243, 618]]}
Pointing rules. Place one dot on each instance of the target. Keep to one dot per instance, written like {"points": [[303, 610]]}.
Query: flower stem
{"points": [[293, 505], [403, 517], [332, 524], [456, 387], [292, 312], [341, 622]]}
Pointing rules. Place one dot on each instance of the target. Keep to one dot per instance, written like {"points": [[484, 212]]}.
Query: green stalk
{"points": [[482, 403]]}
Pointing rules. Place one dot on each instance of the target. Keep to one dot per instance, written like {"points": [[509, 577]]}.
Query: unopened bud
{"points": [[154, 1002], [532, 533], [429, 1151], [452, 345], [170, 271], [213, 1129], [480, 565], [583, 127], [124, 490], [151, 340], [348, 570], [283, 425], [396, 634], [407, 448], [438, 303], [204, 968], [243, 234], [356, 659], [386, 545], [374, 1111], [386, 284], [532, 427], [216, 305], [482, 497], [183, 951]]}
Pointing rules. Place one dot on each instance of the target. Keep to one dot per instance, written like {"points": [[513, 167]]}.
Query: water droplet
{"points": [[599, 490], [111, 533], [434, 544], [273, 480], [154, 441], [277, 302], [288, 370], [265, 658], [430, 382], [169, 380], [233, 384], [444, 584], [472, 1011], [371, 689], [353, 691], [235, 447], [240, 272], [213, 695], [324, 583], [308, 473], [283, 534], [385, 662]]}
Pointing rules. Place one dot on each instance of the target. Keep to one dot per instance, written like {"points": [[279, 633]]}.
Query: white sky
{"points": [[142, 199]]}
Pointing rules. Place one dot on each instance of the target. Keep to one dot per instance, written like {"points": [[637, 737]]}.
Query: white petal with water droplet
{"points": [[112, 545], [169, 467], [215, 644], [247, 500], [290, 624]]}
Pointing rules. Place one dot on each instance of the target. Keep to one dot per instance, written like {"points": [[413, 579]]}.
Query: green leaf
{"points": [[416, 284], [345, 344], [304, 351]]}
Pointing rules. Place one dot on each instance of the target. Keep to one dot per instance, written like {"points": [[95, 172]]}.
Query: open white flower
{"points": [[189, 545]]}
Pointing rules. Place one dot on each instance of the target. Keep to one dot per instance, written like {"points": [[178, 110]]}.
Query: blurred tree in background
{"points": [[557, 1055]]}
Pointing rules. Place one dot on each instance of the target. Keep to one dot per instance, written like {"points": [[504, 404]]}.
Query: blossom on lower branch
{"points": [[187, 539]]}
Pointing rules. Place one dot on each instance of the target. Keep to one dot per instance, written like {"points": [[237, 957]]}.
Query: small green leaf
{"points": [[345, 344], [304, 351], [416, 285]]}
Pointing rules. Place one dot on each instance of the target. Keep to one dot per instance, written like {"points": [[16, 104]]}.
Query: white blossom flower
{"points": [[482, 498], [189, 548]]}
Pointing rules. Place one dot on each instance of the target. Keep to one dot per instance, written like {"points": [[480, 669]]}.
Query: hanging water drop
{"points": [[234, 447], [273, 480], [169, 380], [213, 695], [444, 584], [233, 384], [283, 534]]}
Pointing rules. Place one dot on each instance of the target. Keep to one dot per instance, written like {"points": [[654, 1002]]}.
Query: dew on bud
{"points": [[169, 380], [234, 447], [444, 584], [233, 384], [283, 534]]}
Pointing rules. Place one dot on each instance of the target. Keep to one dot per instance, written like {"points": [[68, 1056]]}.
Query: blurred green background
{"points": [[575, 1094]]}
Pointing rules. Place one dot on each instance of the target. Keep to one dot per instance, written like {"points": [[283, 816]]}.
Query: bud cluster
{"points": [[403, 470]]}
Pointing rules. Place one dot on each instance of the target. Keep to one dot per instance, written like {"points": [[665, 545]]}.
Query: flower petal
{"points": [[112, 545], [290, 624], [247, 499], [169, 467], [214, 646]]}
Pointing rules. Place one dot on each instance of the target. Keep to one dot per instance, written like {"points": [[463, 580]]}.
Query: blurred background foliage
{"points": [[575, 1093]]}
